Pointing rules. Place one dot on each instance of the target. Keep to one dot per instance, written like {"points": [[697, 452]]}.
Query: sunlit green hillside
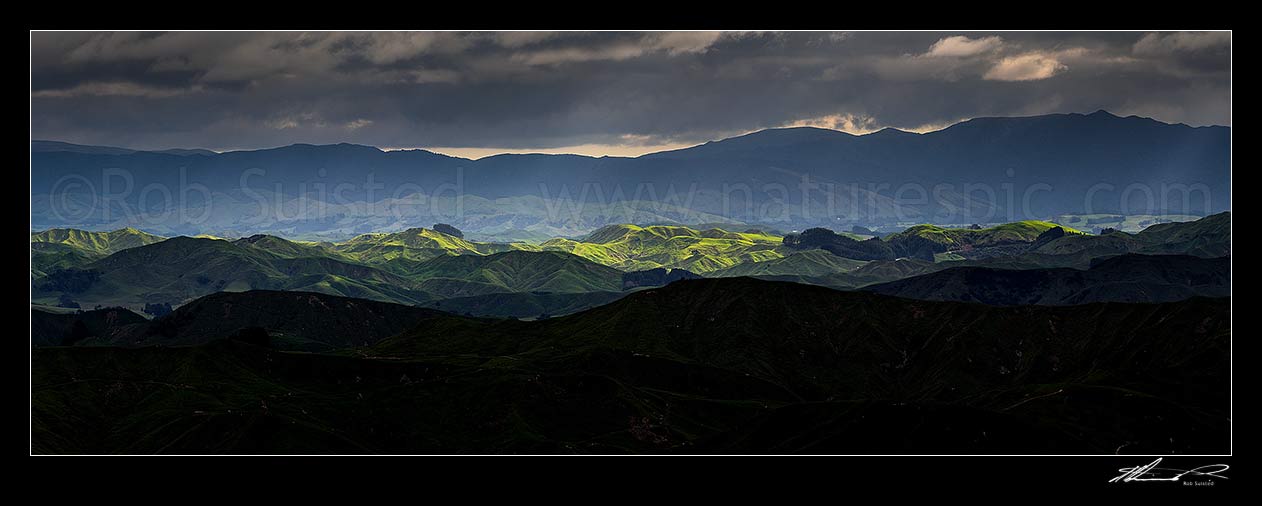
{"points": [[631, 247]]}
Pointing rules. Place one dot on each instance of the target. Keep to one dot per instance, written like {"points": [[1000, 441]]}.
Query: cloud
{"points": [[960, 46], [682, 42], [553, 90], [856, 124], [948, 59], [1181, 42], [932, 127], [427, 76], [115, 89], [838, 37], [520, 39], [295, 121], [860, 124], [579, 50], [1025, 67], [391, 47]]}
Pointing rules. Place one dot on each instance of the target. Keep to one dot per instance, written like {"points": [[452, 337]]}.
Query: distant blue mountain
{"points": [[39, 146], [1059, 160]]}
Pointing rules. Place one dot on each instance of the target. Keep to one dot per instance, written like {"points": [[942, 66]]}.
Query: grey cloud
{"points": [[541, 90]]}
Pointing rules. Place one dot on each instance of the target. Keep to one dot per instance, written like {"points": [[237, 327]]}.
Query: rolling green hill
{"points": [[1126, 223], [1208, 237], [67, 248], [1204, 238], [634, 248], [808, 263], [418, 265], [1023, 245], [401, 251], [286, 248], [1091, 246], [930, 242], [183, 268], [51, 256], [100, 243], [959, 238], [514, 271]]}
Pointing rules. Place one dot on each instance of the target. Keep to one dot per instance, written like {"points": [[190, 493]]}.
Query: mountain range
{"points": [[754, 178]]}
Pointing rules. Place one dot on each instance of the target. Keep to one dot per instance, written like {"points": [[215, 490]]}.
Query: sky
{"points": [[607, 93]]}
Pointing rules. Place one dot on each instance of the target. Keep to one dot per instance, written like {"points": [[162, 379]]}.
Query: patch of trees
{"points": [[655, 277], [1047, 236], [1105, 219], [915, 246], [67, 301], [448, 229], [840, 245], [870, 249], [158, 309]]}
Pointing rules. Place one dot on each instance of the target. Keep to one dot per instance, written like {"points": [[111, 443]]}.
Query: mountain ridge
{"points": [[49, 145]]}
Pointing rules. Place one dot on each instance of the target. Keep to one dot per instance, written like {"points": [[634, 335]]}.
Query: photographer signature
{"points": [[1151, 472]]}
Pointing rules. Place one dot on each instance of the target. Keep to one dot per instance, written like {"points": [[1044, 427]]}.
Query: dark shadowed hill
{"points": [[870, 362], [655, 277], [1013, 246], [292, 320], [1032, 241], [714, 365], [64, 329], [1125, 278], [525, 305], [1208, 237]]}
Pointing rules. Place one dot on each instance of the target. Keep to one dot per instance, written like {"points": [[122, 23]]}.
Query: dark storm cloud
{"points": [[541, 90]]}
